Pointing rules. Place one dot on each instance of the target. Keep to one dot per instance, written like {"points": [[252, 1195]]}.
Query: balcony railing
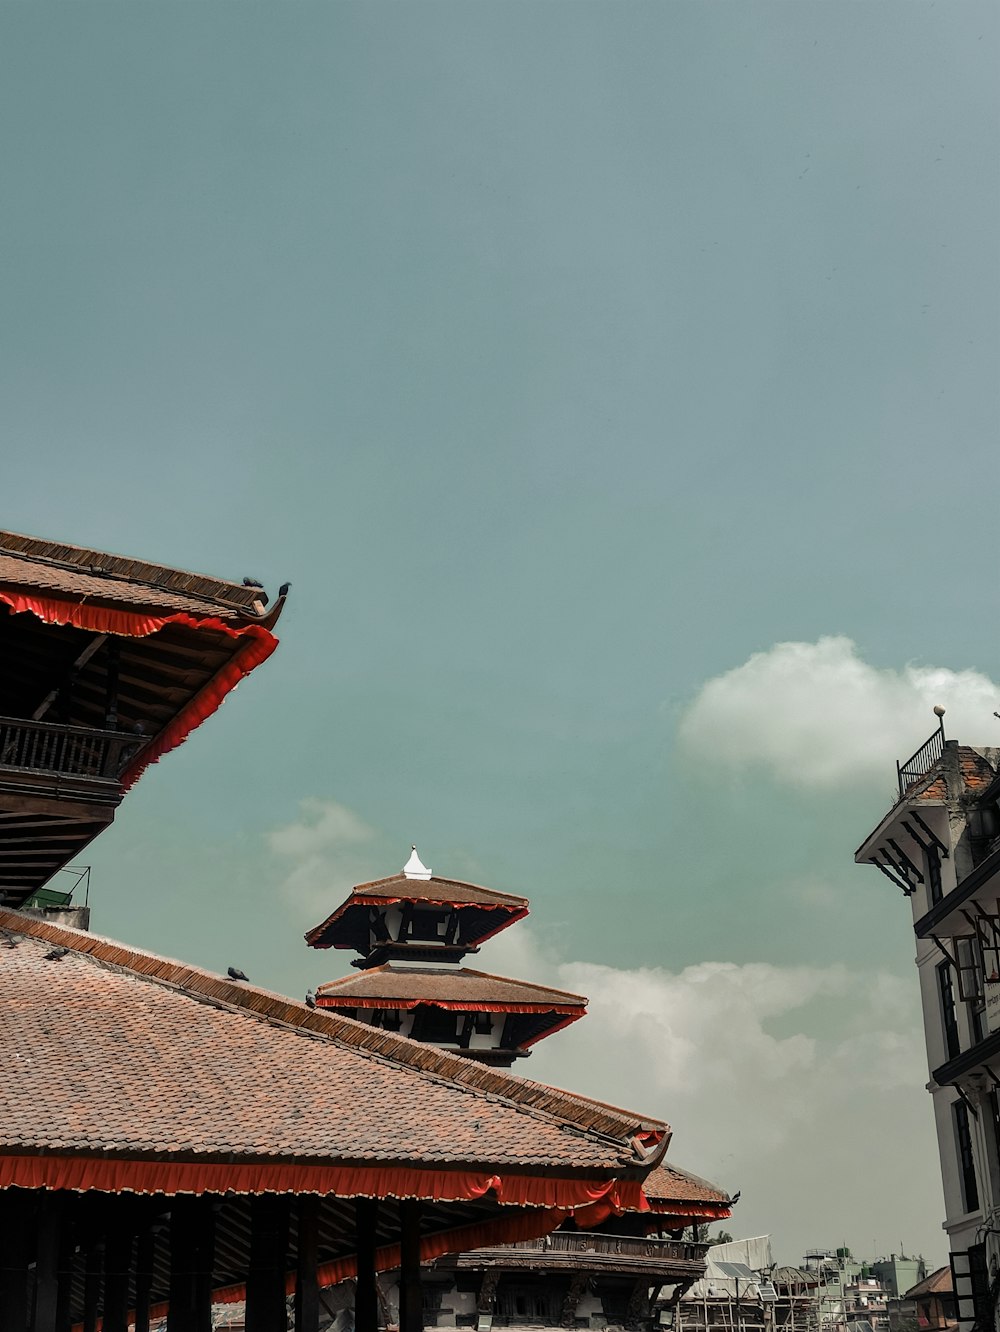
{"points": [[920, 763], [71, 751], [625, 1246]]}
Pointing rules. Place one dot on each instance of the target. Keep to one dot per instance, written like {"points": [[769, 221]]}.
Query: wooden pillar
{"points": [[411, 1295], [192, 1246], [145, 1253], [67, 1263], [16, 1225], [366, 1290], [92, 1285], [48, 1252], [268, 1258], [306, 1257], [117, 1267]]}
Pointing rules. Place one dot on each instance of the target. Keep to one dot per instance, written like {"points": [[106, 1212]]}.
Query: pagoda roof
{"points": [[433, 891], [447, 987], [669, 1188], [77, 573], [126, 1070]]}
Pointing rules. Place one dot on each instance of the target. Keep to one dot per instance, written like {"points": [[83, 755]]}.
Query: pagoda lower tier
{"points": [[492, 1019]]}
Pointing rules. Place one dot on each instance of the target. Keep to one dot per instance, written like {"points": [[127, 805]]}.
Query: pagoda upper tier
{"points": [[106, 664], [416, 916], [411, 929]]}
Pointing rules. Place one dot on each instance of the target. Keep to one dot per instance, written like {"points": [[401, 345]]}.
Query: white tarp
{"points": [[753, 1253]]}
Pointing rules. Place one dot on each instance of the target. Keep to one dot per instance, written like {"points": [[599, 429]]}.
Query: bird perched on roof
{"points": [[8, 939], [234, 973], [252, 582], [310, 998], [56, 954]]}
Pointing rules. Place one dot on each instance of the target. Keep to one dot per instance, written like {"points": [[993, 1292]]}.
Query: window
{"points": [[949, 1018], [966, 1161], [970, 984], [933, 857]]}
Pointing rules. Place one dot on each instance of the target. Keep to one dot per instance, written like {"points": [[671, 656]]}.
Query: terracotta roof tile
{"points": [[669, 1183], [938, 1283], [437, 890], [193, 1064], [72, 571], [453, 985]]}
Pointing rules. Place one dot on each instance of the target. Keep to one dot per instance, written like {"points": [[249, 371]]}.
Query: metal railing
{"points": [[71, 751], [920, 763]]}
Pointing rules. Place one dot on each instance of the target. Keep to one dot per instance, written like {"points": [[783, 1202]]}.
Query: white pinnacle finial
{"points": [[413, 869]]}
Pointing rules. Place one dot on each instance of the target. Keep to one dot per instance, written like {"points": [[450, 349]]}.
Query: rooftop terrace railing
{"points": [[71, 751], [920, 763], [630, 1246]]}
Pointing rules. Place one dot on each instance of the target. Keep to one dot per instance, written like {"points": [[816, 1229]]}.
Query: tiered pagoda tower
{"points": [[615, 1268], [411, 931]]}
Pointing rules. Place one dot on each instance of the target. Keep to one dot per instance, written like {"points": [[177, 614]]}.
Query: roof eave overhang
{"points": [[871, 843], [937, 920]]}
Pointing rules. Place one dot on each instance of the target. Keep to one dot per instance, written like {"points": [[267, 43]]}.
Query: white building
{"points": [[940, 846]]}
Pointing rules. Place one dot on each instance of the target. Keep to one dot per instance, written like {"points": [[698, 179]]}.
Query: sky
{"points": [[616, 385]]}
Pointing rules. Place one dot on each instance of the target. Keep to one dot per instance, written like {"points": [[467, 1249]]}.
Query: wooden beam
{"points": [[77, 665]]}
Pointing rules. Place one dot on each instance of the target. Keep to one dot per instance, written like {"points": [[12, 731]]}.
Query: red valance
{"points": [[257, 644], [122, 1175]]}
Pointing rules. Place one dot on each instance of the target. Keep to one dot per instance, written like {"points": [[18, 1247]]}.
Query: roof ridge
{"points": [[619, 1125], [400, 877], [98, 564]]}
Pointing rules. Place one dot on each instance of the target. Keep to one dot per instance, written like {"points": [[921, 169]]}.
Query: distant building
{"points": [[933, 1302], [940, 846]]}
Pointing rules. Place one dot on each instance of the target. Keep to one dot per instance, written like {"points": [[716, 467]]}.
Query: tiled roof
{"points": [[669, 1183], [194, 1065], [451, 984], [74, 572], [437, 890], [505, 907], [938, 1283]]}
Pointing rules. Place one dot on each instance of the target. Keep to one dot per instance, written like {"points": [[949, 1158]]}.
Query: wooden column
{"points": [[192, 1247], [117, 1267], [268, 1259], [92, 1285], [366, 1290], [48, 1251], [306, 1256], [67, 1262], [16, 1224], [145, 1252], [411, 1295]]}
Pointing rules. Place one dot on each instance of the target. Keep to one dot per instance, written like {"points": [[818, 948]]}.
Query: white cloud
{"points": [[321, 852], [817, 714], [791, 1083]]}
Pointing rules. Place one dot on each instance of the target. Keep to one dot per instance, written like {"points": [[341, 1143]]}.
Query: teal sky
{"points": [[562, 356]]}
